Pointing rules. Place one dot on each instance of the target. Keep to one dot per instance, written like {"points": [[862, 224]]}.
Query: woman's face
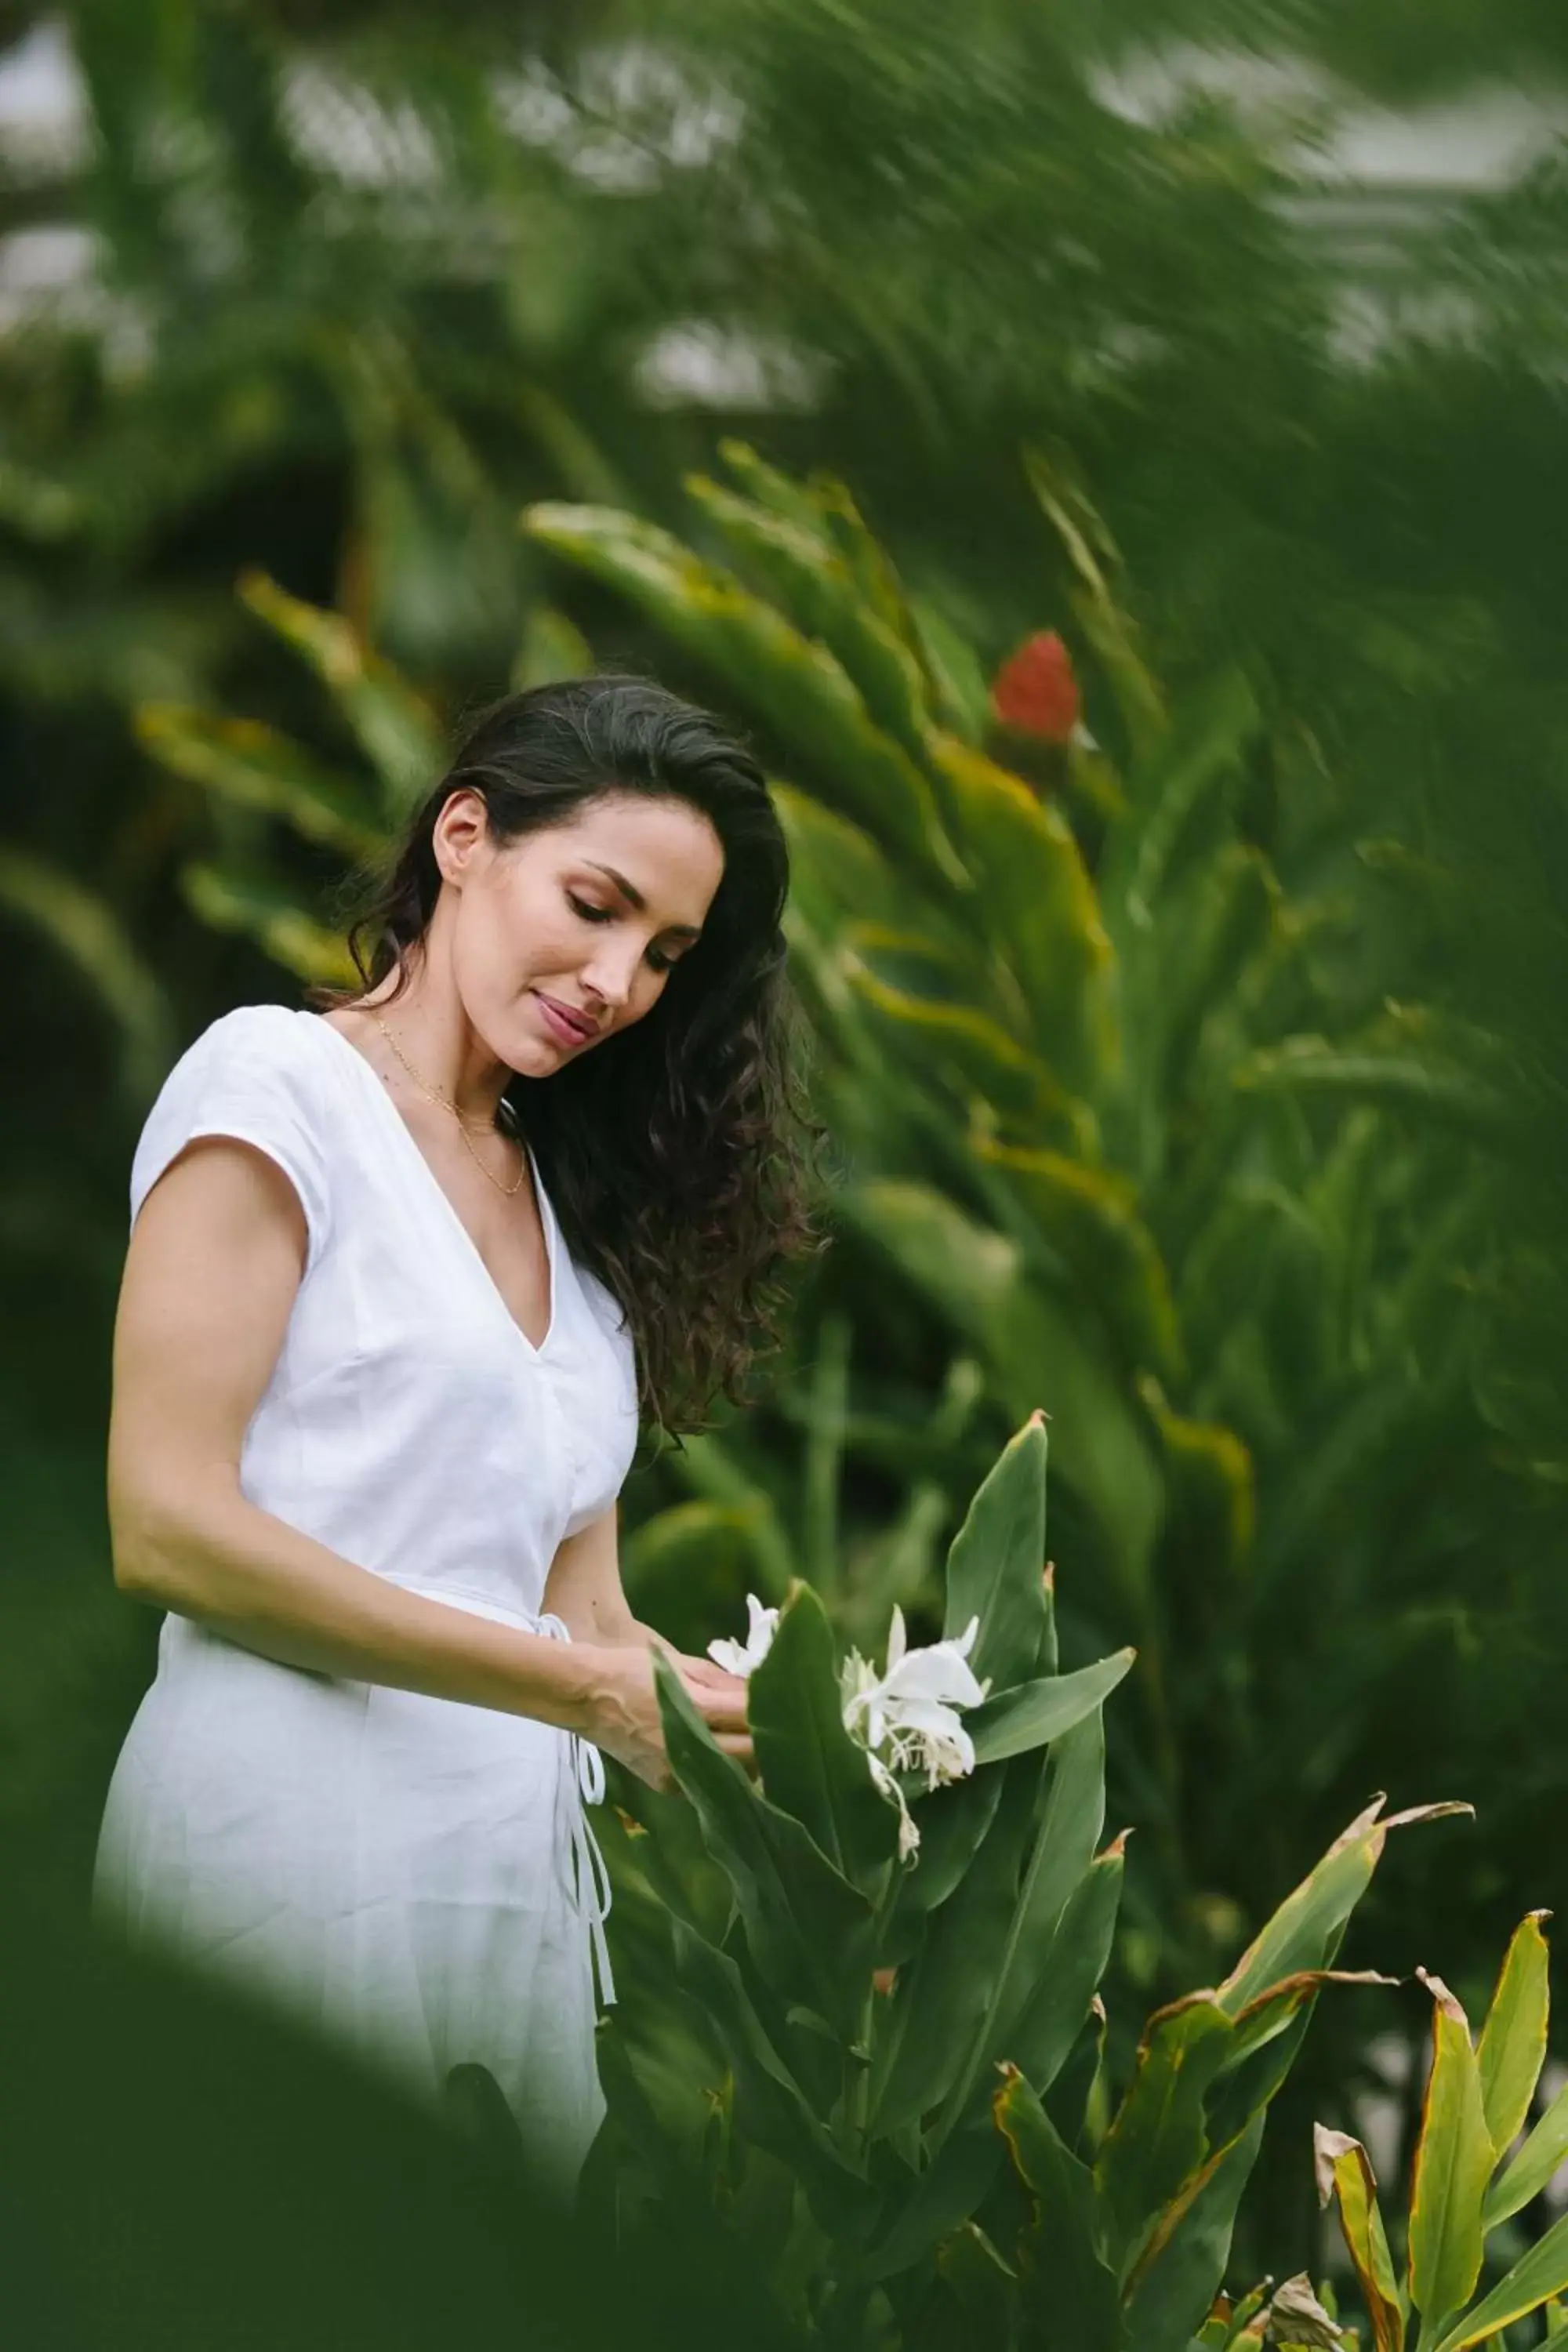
{"points": [[587, 917]]}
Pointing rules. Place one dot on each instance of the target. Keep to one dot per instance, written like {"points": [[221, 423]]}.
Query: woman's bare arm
{"points": [[585, 1590], [216, 1259]]}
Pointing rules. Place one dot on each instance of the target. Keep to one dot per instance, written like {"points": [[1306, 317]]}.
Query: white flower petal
{"points": [[730, 1656], [896, 1638]]}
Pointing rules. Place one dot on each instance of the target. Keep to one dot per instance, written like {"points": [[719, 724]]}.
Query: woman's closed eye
{"points": [[607, 914]]}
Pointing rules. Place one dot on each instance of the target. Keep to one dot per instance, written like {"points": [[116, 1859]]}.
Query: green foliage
{"points": [[907, 2057], [1466, 2182]]}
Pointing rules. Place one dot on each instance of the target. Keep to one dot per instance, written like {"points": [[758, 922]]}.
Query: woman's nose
{"points": [[611, 976]]}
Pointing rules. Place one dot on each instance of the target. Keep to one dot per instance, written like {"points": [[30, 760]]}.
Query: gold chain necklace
{"points": [[509, 1189]]}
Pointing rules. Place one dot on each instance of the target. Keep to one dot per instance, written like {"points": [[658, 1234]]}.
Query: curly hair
{"points": [[674, 1152]]}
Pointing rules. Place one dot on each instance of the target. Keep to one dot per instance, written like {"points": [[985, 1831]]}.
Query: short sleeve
{"points": [[250, 1074]]}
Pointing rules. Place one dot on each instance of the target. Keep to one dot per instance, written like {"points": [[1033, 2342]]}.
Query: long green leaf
{"points": [[1032, 1714], [252, 765], [1305, 1931], [1512, 2047], [1184, 2258], [808, 1928], [397, 732], [1537, 2276], [1073, 2285], [1344, 2172], [1157, 2137], [1038, 909], [808, 576], [1090, 1216], [777, 2110], [1454, 2160], [996, 1565], [810, 1765], [1537, 2161], [796, 683]]}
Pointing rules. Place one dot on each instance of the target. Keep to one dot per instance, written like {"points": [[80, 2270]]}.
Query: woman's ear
{"points": [[459, 833]]}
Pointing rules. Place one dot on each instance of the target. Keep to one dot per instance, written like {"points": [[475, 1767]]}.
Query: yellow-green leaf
{"points": [[244, 761], [395, 730], [233, 902], [1090, 1216], [811, 579], [1512, 2047], [1344, 2172], [1538, 2275], [1037, 906], [797, 685], [1538, 2160], [1454, 2160]]}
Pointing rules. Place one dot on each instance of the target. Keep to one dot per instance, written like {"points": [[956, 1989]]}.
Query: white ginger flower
{"points": [[907, 1717], [739, 1658]]}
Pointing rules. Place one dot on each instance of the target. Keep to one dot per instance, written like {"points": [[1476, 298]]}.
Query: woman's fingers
{"points": [[737, 1745]]}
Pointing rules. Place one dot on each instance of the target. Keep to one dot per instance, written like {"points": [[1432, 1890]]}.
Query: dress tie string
{"points": [[578, 1860]]}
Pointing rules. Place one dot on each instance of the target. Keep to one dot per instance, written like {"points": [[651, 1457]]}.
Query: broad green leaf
{"points": [[1071, 1821], [1157, 2137], [797, 685], [1050, 2022], [257, 767], [808, 576], [1454, 2161], [996, 1562], [975, 2274], [942, 2001], [1038, 908], [1032, 1714], [944, 2197], [1089, 1215], [1183, 2261], [808, 1929], [1538, 2274], [1512, 2047], [396, 732], [776, 2109], [1537, 2161], [1344, 2172], [1268, 2032], [811, 1767], [954, 1821], [1067, 2275], [972, 1052]]}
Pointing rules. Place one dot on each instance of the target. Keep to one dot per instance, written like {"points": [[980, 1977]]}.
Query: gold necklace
{"points": [[509, 1189]]}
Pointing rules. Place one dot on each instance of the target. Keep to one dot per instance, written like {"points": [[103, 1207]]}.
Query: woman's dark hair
{"points": [[673, 1151]]}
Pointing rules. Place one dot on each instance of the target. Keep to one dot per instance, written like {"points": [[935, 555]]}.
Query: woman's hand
{"points": [[622, 1716]]}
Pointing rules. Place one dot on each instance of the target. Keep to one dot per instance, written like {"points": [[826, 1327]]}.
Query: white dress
{"points": [[415, 1875]]}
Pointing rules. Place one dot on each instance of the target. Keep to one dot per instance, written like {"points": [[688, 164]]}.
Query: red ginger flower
{"points": [[1036, 692]]}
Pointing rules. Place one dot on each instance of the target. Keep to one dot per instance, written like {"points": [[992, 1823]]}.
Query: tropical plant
{"points": [[804, 2057], [1471, 2175]]}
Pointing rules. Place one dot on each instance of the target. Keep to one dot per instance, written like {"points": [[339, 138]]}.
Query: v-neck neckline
{"points": [[552, 1231]]}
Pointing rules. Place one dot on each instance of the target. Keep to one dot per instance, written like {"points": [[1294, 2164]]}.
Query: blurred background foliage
{"points": [[914, 333]]}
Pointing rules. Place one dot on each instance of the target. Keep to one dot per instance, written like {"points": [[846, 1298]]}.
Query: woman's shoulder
{"points": [[253, 1074]]}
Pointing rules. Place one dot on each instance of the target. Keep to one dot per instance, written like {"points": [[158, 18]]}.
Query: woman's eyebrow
{"points": [[630, 890]]}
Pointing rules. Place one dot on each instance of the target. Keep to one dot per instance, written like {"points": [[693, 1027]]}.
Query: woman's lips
{"points": [[569, 1032]]}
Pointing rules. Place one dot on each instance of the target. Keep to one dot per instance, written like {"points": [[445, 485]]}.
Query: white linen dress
{"points": [[414, 1875]]}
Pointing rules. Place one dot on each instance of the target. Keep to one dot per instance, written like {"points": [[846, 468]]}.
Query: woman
{"points": [[392, 1267]]}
